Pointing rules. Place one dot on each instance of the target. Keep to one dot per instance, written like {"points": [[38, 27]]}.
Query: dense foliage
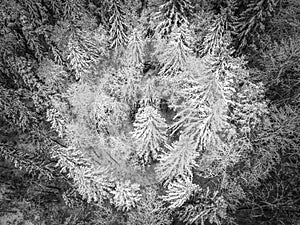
{"points": [[149, 112]]}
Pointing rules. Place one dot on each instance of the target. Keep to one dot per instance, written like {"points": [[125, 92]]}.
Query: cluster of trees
{"points": [[149, 112]]}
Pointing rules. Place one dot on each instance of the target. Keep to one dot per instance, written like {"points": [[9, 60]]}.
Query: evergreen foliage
{"points": [[91, 182], [172, 13], [84, 49], [118, 28], [276, 162], [253, 21], [179, 192], [211, 207], [126, 195], [280, 68], [149, 112], [149, 134], [175, 52], [135, 49], [150, 210], [178, 161], [213, 39]]}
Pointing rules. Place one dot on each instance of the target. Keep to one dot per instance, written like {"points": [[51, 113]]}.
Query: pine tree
{"points": [[149, 134], [78, 58], [33, 163]]}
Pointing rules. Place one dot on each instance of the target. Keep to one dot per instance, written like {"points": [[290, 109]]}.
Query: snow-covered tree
{"points": [[149, 134], [150, 92], [204, 114], [118, 26], [213, 39], [126, 195], [252, 21], [210, 207], [172, 13], [178, 161], [150, 210], [94, 183], [93, 86], [179, 191], [85, 48], [173, 53], [135, 50]]}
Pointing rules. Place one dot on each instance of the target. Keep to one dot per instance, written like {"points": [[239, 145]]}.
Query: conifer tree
{"points": [[118, 26], [210, 207], [126, 195], [252, 22], [213, 38], [92, 88], [150, 92], [123, 84], [174, 53], [94, 183], [204, 115], [150, 210], [179, 191], [135, 49], [85, 49], [149, 134], [171, 14], [178, 161]]}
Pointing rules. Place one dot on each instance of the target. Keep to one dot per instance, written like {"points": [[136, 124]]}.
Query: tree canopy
{"points": [[149, 112]]}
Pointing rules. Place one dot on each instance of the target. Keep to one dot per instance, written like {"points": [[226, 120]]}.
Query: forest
{"points": [[149, 112]]}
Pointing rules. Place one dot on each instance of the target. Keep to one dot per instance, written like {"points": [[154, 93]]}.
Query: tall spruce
{"points": [[149, 134]]}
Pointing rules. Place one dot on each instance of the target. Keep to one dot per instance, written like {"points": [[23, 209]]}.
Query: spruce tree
{"points": [[135, 50], [174, 53], [149, 134], [102, 101], [171, 14], [118, 27], [178, 161]]}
